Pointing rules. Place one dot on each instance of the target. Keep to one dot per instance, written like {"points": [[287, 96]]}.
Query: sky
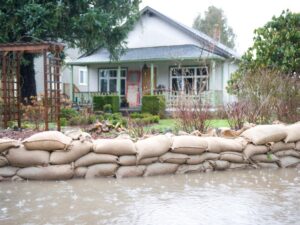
{"points": [[243, 16]]}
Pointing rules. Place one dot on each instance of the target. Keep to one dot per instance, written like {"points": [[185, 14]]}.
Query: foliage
{"points": [[34, 112], [100, 101], [68, 113], [215, 17], [115, 118], [192, 115], [63, 122], [236, 114], [154, 104], [107, 108]]}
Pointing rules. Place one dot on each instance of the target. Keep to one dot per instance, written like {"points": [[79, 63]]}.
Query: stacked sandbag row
{"points": [[54, 156]]}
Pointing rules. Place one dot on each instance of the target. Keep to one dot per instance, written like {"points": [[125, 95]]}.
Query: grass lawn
{"points": [[170, 124]]}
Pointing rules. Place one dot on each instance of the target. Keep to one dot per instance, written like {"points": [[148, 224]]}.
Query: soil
{"points": [[17, 134]]}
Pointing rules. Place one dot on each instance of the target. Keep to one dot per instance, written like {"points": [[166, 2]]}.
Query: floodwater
{"points": [[231, 197]]}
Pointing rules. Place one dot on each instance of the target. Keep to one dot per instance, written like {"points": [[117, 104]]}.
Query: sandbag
{"points": [[80, 172], [263, 134], [114, 146], [48, 141], [234, 157], [267, 165], [290, 152], [292, 132], [16, 178], [101, 170], [219, 164], [94, 158], [57, 172], [242, 166], [130, 160], [160, 169], [251, 150], [196, 159], [218, 144], [8, 171], [3, 161], [6, 143], [191, 145], [20, 157], [77, 150], [152, 147], [267, 158], [278, 146], [130, 171], [183, 169], [297, 145], [78, 135], [171, 157], [289, 161]]}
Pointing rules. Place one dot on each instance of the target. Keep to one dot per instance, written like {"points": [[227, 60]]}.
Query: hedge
{"points": [[154, 104], [100, 101]]}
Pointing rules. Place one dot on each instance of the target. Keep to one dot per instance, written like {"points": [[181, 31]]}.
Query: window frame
{"points": [[108, 78], [85, 76]]}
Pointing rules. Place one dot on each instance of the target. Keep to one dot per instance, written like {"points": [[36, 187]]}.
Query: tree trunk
{"points": [[28, 85]]}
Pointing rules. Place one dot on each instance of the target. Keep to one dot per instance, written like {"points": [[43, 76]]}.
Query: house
{"points": [[163, 56]]}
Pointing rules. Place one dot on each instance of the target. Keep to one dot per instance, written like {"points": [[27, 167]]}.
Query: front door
{"points": [[146, 81], [133, 88]]}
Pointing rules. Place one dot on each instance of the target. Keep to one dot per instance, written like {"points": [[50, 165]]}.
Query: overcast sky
{"points": [[242, 16]]}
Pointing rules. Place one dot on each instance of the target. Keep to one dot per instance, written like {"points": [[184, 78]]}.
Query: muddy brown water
{"points": [[229, 197]]}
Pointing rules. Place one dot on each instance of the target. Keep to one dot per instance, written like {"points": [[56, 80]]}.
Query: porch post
{"points": [[119, 81], [88, 80], [152, 78], [72, 84], [213, 82]]}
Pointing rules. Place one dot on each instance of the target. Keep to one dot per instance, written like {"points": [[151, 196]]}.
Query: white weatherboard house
{"points": [[163, 56]]}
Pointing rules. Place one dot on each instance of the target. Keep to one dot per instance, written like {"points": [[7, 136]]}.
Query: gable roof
{"points": [[219, 48]]}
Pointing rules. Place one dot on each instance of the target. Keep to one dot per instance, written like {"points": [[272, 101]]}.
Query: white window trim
{"points": [[195, 76], [85, 76], [111, 78]]}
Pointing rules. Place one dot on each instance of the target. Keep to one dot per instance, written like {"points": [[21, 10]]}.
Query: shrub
{"points": [[68, 113], [92, 119], [34, 112], [63, 122], [100, 101], [107, 108], [154, 104]]}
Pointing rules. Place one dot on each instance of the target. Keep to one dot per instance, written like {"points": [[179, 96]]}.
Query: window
{"points": [[189, 79], [82, 76], [108, 81]]}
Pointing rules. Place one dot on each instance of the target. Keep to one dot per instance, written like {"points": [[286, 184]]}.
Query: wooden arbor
{"points": [[10, 60]]}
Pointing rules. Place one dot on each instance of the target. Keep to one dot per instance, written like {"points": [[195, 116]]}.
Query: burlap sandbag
{"points": [[78, 135], [57, 172], [267, 165], [183, 169], [3, 161], [154, 146], [297, 145], [278, 146], [290, 152], [160, 169], [293, 133], [48, 141], [16, 178], [267, 158], [8, 171], [251, 150], [218, 144], [241, 166], [6, 143], [130, 171], [219, 164], [263, 134], [20, 157], [196, 159], [234, 157], [101, 170], [191, 145], [114, 146], [80, 172], [77, 150], [171, 157], [130, 160], [289, 161], [94, 158]]}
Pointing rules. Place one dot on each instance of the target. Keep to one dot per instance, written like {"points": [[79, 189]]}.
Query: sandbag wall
{"points": [[53, 155]]}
